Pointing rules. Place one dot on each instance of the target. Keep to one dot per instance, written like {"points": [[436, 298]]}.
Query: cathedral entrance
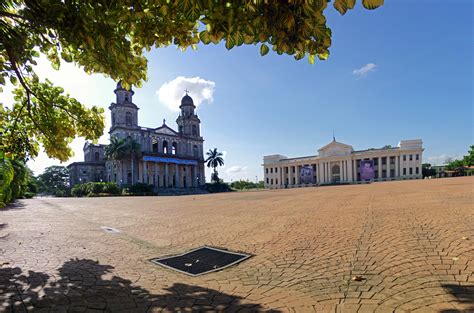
{"points": [[336, 174]]}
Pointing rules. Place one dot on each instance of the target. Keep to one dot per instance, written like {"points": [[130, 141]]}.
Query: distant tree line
{"points": [[467, 160], [246, 185], [452, 165]]}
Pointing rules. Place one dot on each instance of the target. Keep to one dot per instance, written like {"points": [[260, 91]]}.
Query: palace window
{"points": [[286, 170], [404, 171], [416, 170], [384, 161], [194, 130], [392, 173], [180, 129], [195, 151], [154, 145], [417, 157], [404, 157], [174, 148], [97, 156], [376, 161], [392, 160], [293, 169], [266, 170], [276, 169], [411, 157], [411, 170], [271, 170], [165, 146], [267, 180], [276, 181], [128, 119], [271, 181]]}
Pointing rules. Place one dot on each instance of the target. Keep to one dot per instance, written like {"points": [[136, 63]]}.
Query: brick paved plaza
{"points": [[411, 243]]}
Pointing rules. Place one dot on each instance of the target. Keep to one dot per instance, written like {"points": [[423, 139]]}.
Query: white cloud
{"points": [[364, 70], [170, 93], [236, 169], [441, 159]]}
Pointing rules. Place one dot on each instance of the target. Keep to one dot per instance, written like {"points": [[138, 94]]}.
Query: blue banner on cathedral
{"points": [[169, 160]]}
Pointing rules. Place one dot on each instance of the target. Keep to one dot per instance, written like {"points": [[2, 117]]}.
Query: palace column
{"points": [[397, 159], [290, 175], [388, 167], [349, 170], [324, 171], [280, 170], [341, 172], [380, 168]]}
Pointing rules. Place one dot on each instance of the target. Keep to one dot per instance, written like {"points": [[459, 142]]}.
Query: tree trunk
{"points": [[133, 174]]}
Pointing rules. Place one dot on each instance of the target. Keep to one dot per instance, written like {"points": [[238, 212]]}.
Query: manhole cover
{"points": [[201, 260]]}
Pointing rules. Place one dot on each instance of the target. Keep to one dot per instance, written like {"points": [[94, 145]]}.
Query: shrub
{"points": [[139, 189], [217, 187], [93, 189], [28, 195]]}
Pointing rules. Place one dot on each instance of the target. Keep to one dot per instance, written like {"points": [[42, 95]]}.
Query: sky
{"points": [[403, 71]]}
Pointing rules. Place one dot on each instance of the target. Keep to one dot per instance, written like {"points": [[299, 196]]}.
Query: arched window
{"points": [[195, 151], [174, 148], [154, 145], [128, 119], [96, 156], [194, 130], [165, 146]]}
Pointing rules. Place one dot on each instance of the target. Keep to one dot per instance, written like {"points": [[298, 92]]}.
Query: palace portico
{"points": [[340, 163]]}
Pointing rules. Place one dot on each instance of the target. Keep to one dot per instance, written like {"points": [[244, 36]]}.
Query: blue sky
{"points": [[418, 84]]}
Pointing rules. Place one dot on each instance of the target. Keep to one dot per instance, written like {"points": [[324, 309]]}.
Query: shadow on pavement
{"points": [[13, 206], [83, 284], [464, 295]]}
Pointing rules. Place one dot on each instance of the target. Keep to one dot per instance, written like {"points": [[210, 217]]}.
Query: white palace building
{"points": [[339, 163]]}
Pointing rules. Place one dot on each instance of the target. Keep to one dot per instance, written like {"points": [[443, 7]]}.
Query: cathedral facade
{"points": [[167, 158]]}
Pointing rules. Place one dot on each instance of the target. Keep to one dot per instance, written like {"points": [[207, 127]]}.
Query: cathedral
{"points": [[167, 158]]}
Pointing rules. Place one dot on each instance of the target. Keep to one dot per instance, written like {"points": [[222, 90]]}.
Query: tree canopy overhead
{"points": [[111, 36]]}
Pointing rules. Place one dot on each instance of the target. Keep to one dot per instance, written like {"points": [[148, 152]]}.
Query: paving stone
{"points": [[400, 237]]}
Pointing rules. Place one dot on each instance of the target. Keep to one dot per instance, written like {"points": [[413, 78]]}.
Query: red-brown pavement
{"points": [[411, 243]]}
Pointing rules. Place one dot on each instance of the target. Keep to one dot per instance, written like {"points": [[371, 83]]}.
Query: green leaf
{"points": [[372, 4], [229, 42], [264, 49], [13, 80], [343, 5]]}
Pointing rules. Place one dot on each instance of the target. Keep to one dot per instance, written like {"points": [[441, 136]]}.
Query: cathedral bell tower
{"points": [[188, 122], [124, 111]]}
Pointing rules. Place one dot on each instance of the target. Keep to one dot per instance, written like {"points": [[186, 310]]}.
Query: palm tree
{"points": [[214, 159], [116, 150], [133, 149]]}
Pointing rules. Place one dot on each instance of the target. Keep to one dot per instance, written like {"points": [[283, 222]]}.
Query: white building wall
{"points": [[342, 155]]}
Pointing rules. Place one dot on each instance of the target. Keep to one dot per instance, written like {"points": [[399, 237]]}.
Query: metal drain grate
{"points": [[201, 260]]}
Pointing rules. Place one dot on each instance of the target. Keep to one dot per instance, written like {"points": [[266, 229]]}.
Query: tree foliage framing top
{"points": [[111, 36]]}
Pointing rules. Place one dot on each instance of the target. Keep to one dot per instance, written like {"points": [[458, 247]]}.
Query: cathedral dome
{"points": [[187, 100]]}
